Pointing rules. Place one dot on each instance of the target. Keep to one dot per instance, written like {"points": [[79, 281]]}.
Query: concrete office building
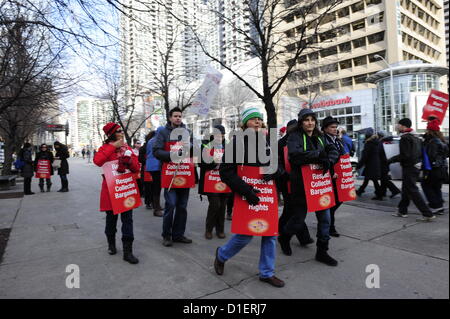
{"points": [[350, 40]]}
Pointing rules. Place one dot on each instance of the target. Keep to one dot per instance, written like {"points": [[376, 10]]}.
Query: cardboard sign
{"points": [[318, 188], [213, 183], [122, 188], [43, 169], [345, 183], [182, 173], [261, 219], [436, 106]]}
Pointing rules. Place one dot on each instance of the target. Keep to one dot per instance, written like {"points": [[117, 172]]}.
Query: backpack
{"points": [[19, 164]]}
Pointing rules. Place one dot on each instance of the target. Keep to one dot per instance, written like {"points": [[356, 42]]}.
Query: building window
{"points": [[347, 82], [359, 79], [377, 37], [345, 47], [358, 25], [362, 60], [357, 6], [345, 64], [344, 12], [359, 43]]}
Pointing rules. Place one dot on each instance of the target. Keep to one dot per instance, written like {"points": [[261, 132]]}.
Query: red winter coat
{"points": [[108, 153]]}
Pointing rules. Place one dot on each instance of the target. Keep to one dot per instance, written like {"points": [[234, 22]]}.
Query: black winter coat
{"points": [[228, 171], [437, 152], [26, 156], [317, 150], [410, 150], [47, 155], [63, 154], [370, 158], [384, 165]]}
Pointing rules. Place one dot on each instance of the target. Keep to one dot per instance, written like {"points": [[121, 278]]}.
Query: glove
{"points": [[329, 148], [252, 198], [323, 155], [326, 165], [124, 162]]}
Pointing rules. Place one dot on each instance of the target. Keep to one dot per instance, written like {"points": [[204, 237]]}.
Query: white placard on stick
{"points": [[207, 92]]}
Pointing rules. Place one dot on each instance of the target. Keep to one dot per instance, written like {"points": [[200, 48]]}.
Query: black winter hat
{"points": [[405, 122], [304, 113], [220, 128], [328, 121], [291, 122]]}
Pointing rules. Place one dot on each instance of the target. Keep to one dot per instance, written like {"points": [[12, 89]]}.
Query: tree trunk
{"points": [[271, 113]]}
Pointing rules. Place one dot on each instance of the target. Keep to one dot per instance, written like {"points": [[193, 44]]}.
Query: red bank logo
{"points": [[326, 103]]}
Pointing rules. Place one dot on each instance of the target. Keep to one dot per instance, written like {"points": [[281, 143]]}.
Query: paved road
{"points": [[53, 230]]}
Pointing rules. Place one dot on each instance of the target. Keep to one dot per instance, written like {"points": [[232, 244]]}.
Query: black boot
{"points": [[49, 186], [128, 251], [322, 255], [111, 245], [333, 232], [65, 186], [41, 187], [284, 241]]}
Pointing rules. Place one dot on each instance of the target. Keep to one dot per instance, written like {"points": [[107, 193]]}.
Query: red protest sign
{"points": [[122, 188], [261, 219], [181, 173], [436, 106], [43, 169], [148, 177], [318, 188], [345, 183], [213, 183]]}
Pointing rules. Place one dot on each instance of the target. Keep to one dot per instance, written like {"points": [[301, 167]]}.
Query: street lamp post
{"points": [[393, 112]]}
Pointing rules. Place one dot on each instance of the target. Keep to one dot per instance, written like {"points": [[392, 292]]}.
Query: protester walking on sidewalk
{"points": [[435, 171], [283, 183], [62, 154], [370, 160], [153, 165], [44, 154], [306, 145], [252, 119], [115, 148], [176, 198], [386, 182], [26, 156], [211, 158], [349, 146], [330, 129], [410, 159]]}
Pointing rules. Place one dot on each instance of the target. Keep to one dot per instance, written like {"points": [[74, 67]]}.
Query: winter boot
{"points": [[49, 186], [284, 241], [128, 251], [111, 245], [322, 255], [41, 187]]}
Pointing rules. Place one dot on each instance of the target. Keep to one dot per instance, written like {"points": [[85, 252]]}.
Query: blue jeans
{"points": [[176, 203], [266, 257]]}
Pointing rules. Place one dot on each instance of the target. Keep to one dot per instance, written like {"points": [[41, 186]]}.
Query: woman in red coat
{"points": [[115, 148]]}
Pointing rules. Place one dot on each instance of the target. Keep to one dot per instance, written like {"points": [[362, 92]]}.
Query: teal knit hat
{"points": [[249, 113]]}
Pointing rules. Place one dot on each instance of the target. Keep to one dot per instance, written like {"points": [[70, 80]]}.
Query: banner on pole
{"points": [[436, 106]]}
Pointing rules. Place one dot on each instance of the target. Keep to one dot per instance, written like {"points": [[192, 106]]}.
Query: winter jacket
{"points": [[410, 151], [283, 179], [47, 155], [152, 163], [63, 154], [204, 167], [348, 144], [162, 138], [107, 153], [228, 171], [437, 152], [25, 155], [317, 150], [370, 158]]}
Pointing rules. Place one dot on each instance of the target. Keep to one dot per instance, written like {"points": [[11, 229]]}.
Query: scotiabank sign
{"points": [[326, 103]]}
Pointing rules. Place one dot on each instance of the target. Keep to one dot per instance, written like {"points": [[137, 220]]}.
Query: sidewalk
{"points": [[53, 230]]}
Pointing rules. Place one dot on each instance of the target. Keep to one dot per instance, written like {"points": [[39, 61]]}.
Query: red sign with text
{"points": [[318, 188], [436, 106], [213, 183], [182, 173], [122, 188], [257, 220], [345, 183], [43, 169]]}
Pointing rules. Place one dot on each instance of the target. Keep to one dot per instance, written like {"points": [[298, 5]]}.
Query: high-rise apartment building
{"points": [[351, 41], [446, 14]]}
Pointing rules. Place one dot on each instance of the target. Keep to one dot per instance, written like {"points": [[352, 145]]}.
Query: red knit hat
{"points": [[110, 128], [433, 125], [283, 130]]}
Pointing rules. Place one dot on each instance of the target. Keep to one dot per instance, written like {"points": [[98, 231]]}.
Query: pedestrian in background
{"points": [[331, 134], [88, 155], [44, 154], [62, 154], [436, 170], [215, 218], [349, 146], [137, 145], [83, 152], [251, 119], [115, 148], [385, 181], [370, 160], [147, 186], [26, 156], [410, 159], [153, 165]]}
